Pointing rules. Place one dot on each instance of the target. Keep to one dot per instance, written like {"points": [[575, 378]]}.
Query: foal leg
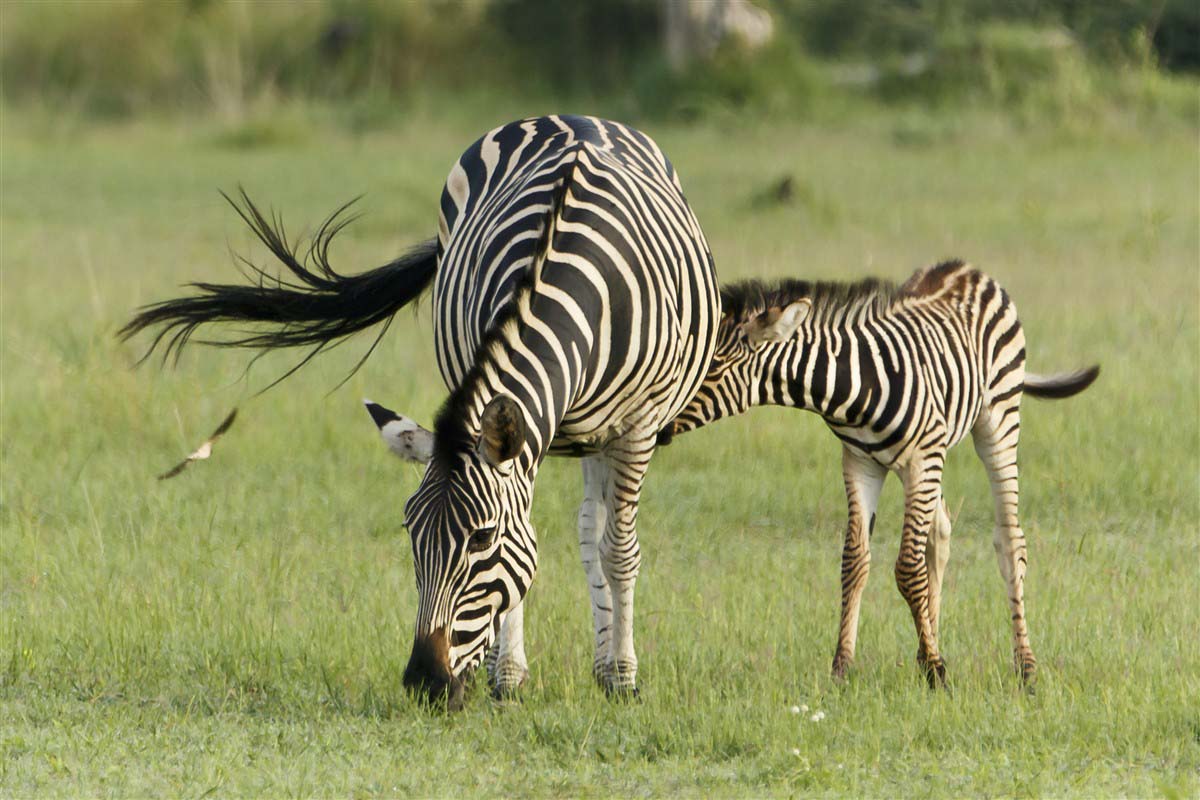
{"points": [[593, 516], [937, 553], [996, 435], [922, 499], [864, 480]]}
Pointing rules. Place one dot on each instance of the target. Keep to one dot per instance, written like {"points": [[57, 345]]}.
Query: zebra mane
{"points": [[745, 299], [451, 434]]}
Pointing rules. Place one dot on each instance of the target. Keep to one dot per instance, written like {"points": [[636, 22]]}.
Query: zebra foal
{"points": [[900, 374]]}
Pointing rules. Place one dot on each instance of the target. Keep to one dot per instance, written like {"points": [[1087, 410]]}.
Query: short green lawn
{"points": [[242, 629]]}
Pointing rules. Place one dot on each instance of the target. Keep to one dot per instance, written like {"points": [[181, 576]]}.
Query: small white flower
{"points": [[795, 751], [795, 709], [803, 708], [817, 717]]}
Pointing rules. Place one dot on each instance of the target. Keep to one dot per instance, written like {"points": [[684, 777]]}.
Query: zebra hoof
{"points": [[507, 681], [1027, 669], [623, 694], [841, 666], [935, 673], [507, 695]]}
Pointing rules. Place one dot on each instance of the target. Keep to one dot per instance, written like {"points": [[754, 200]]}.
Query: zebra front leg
{"points": [[996, 434], [864, 480], [621, 556], [593, 515], [937, 554], [922, 497], [507, 666]]}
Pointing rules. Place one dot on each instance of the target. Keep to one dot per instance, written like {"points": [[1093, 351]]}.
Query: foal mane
{"points": [[746, 299]]}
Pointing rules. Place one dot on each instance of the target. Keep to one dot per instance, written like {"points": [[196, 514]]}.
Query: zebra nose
{"points": [[428, 671]]}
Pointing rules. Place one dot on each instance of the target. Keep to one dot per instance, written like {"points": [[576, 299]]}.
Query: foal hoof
{"points": [[1027, 668], [841, 666], [935, 673]]}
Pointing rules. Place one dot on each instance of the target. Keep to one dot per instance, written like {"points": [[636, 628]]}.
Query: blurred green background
{"points": [[241, 630], [635, 59]]}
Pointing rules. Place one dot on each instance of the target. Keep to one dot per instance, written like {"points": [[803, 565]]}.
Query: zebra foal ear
{"points": [[403, 437], [777, 324], [502, 430]]}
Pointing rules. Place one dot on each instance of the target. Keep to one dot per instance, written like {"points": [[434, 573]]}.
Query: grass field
{"points": [[241, 630]]}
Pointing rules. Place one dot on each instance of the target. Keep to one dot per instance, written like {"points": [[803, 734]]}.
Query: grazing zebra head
{"points": [[474, 548]]}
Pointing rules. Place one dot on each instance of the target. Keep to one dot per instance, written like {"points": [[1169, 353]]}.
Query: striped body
{"points": [[900, 375], [623, 311], [575, 311], [573, 280], [892, 370]]}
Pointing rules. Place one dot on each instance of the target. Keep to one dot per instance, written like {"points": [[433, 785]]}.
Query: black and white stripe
{"points": [[575, 280], [900, 375], [575, 312]]}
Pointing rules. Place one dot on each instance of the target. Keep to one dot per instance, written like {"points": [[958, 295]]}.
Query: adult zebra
{"points": [[900, 375], [575, 311]]}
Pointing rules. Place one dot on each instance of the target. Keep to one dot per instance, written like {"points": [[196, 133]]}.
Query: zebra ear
{"points": [[403, 437], [777, 324], [502, 430]]}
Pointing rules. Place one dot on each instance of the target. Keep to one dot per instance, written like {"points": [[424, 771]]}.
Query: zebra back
{"points": [[621, 305]]}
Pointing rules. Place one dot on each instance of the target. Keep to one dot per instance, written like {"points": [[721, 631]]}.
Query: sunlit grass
{"points": [[243, 628]]}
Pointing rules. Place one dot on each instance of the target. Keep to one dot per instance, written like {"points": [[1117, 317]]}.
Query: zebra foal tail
{"points": [[309, 305], [1060, 385]]}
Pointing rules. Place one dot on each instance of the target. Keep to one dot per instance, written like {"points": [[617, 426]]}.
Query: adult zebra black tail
{"points": [[315, 307]]}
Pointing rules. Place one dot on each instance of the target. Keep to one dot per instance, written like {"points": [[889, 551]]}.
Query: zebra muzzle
{"points": [[428, 672]]}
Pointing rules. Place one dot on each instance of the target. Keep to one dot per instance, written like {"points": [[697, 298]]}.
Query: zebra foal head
{"points": [[474, 549], [742, 354], [744, 333]]}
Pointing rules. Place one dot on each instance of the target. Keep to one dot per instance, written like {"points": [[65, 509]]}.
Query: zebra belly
{"points": [[867, 444], [896, 454], [592, 432]]}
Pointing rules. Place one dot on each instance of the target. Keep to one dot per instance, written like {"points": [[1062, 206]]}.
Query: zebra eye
{"points": [[481, 539]]}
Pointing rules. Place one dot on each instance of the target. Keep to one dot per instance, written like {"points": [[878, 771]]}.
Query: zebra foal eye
{"points": [[481, 539]]}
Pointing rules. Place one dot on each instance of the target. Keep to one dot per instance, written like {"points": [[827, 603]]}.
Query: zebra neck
{"points": [[811, 372], [510, 366]]}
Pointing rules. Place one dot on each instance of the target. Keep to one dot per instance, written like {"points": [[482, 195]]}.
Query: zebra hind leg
{"points": [[593, 515], [922, 499], [996, 434], [864, 480]]}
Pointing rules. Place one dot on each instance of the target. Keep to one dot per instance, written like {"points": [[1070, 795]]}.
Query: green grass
{"points": [[241, 630]]}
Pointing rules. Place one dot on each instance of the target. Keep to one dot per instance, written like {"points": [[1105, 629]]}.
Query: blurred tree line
{"points": [[118, 57]]}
